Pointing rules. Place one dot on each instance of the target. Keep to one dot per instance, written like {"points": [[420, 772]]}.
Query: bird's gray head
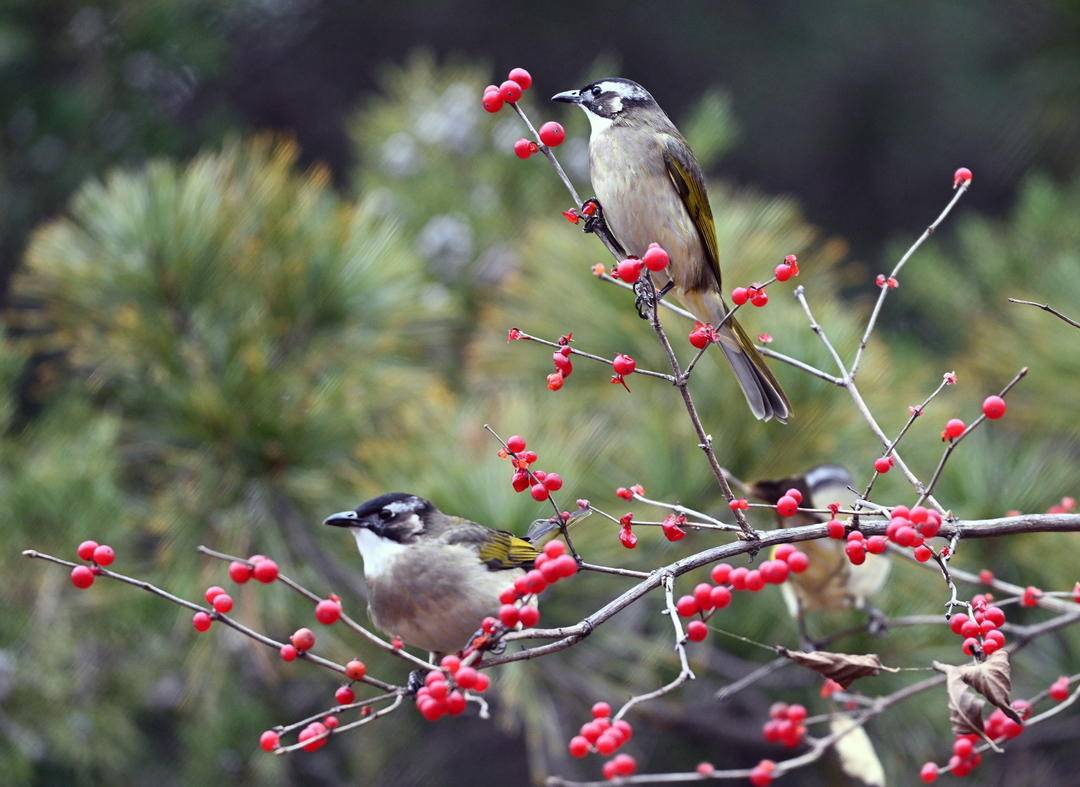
{"points": [[609, 99], [398, 516]]}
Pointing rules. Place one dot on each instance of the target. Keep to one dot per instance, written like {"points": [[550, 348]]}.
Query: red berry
{"points": [[327, 611], [996, 616], [876, 545], [510, 91], [566, 565], [313, 730], [509, 616], [705, 769], [239, 572], [923, 553], [883, 464], [104, 555], [962, 175], [492, 101], [986, 576], [738, 577], [760, 777], [625, 765], [269, 740], [222, 602], [696, 631], [686, 606], [796, 713], [929, 773], [782, 551], [1059, 689], [795, 493], [856, 552], [754, 581], [553, 482], [212, 592], [993, 407], [740, 295], [520, 481], [953, 429], [759, 298], [656, 259], [836, 528], [266, 571], [539, 492], [201, 621], [303, 639], [579, 747], [798, 562], [1031, 596], [969, 646], [345, 696], [629, 270], [783, 272], [624, 365], [552, 134], [355, 669], [86, 549], [720, 597], [701, 336], [957, 622], [82, 577], [607, 744], [703, 596], [787, 506], [523, 148], [521, 76], [720, 573], [516, 443]]}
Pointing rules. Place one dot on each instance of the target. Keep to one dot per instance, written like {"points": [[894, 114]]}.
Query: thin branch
{"points": [[960, 191], [344, 727], [770, 353], [592, 357], [1047, 308]]}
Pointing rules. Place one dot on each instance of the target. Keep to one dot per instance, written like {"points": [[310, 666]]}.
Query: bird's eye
{"points": [[386, 515], [596, 91]]}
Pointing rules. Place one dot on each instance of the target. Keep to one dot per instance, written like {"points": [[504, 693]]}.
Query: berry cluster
{"points": [[262, 569], [980, 630], [708, 599], [539, 483], [509, 92], [443, 692], [702, 335], [100, 555], [785, 724], [997, 727], [258, 567], [907, 528], [550, 566], [563, 366], [754, 293], [604, 736], [655, 259], [1066, 505], [301, 641], [761, 774], [883, 281]]}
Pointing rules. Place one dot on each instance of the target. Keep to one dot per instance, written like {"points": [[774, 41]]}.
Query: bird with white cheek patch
{"points": [[651, 189], [431, 578]]}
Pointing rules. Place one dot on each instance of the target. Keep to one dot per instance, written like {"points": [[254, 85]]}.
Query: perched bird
{"points": [[432, 578], [831, 582], [651, 189]]}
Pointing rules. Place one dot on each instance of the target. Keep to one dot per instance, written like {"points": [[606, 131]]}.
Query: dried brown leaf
{"points": [[991, 678], [965, 707], [844, 668]]}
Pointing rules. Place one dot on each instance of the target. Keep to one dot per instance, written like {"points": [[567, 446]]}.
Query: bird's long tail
{"points": [[763, 393]]}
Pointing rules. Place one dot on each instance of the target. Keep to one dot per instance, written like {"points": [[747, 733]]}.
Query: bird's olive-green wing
{"points": [[498, 549], [689, 182]]}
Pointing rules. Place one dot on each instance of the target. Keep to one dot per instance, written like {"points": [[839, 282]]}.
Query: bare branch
{"points": [[1047, 308]]}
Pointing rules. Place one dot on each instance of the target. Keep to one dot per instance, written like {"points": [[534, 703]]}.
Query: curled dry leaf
{"points": [[856, 752], [844, 668], [991, 678]]}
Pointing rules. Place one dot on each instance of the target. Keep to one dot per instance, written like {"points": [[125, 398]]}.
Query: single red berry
{"points": [[529, 616], [856, 552], [961, 176], [783, 272], [212, 592], [655, 258], [629, 270], [86, 550], [201, 621], [759, 298], [523, 148], [929, 773], [624, 365], [986, 576], [836, 528], [508, 614], [787, 506], [1031, 596], [104, 555], [239, 572], [492, 101], [754, 581], [82, 577], [516, 443], [579, 747], [701, 336], [601, 710], [553, 482], [957, 623], [266, 571], [738, 578], [923, 553], [345, 696], [566, 565], [625, 765], [1059, 689], [696, 631], [993, 407], [331, 722], [760, 777], [740, 295], [303, 639], [703, 596], [539, 492], [288, 652], [798, 562], [552, 134], [782, 551], [705, 769], [796, 494], [313, 730], [327, 611], [953, 429], [355, 669], [720, 573], [883, 464], [222, 602], [720, 597], [969, 646], [876, 545], [521, 76], [686, 606], [510, 91], [269, 740]]}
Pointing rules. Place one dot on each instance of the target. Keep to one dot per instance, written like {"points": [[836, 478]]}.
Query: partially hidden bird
{"points": [[431, 577], [831, 582], [651, 189]]}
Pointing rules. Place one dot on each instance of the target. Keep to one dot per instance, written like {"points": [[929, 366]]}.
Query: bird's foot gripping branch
{"points": [[825, 521]]}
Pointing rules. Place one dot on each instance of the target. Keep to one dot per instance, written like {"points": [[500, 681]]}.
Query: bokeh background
{"points": [[258, 262]]}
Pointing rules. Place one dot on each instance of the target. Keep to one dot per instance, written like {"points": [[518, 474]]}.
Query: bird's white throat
{"points": [[597, 123], [378, 552]]}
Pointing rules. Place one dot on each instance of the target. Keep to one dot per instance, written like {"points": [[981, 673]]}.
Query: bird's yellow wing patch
{"points": [[501, 550], [689, 182]]}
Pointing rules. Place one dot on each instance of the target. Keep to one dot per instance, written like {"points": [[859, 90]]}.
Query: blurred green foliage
{"points": [[239, 350]]}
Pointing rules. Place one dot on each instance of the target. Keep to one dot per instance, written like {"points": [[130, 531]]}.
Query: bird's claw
{"points": [[416, 681], [646, 299]]}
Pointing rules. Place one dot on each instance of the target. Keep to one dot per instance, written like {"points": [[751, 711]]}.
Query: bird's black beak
{"points": [[568, 97], [343, 519]]}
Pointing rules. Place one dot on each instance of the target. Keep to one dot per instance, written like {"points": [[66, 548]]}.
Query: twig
{"points": [[344, 727], [598, 358], [1047, 308]]}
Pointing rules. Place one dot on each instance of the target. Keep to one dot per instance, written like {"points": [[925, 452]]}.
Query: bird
{"points": [[831, 582], [431, 577], [651, 189]]}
